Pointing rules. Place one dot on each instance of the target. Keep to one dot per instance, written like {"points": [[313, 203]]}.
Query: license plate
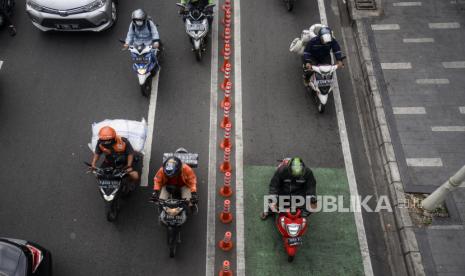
{"points": [[67, 26], [324, 82], [195, 27], [294, 241]]}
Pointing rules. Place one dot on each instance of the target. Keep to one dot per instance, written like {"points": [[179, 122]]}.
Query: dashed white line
{"points": [[361, 234], [446, 25], [240, 228], [406, 4], [424, 162], [454, 64], [396, 65], [432, 81], [413, 110], [212, 147], [418, 40], [385, 27], [1, 64], [462, 109], [448, 128], [150, 122]]}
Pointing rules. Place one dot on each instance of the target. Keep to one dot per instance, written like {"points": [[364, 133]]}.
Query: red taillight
{"points": [[36, 257]]}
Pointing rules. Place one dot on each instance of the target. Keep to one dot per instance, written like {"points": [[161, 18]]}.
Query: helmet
{"points": [[296, 167], [325, 35], [139, 17], [107, 136], [172, 166]]}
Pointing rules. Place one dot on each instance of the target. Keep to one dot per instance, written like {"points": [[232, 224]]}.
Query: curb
{"points": [[404, 224]]}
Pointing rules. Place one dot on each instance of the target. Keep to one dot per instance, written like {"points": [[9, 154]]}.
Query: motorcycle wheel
{"points": [[146, 88], [112, 211], [290, 259], [198, 54], [172, 241], [321, 107], [290, 5]]}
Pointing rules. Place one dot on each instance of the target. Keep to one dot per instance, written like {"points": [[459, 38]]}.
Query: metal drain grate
{"points": [[365, 4]]}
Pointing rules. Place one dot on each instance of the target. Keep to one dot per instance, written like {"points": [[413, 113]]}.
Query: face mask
{"points": [[139, 23]]}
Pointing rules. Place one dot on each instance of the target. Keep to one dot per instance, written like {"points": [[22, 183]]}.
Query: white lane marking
{"points": [[448, 128], [446, 227], [432, 81], [1, 64], [412, 110], [454, 64], [240, 234], [396, 65], [406, 4], [462, 109], [385, 27], [424, 162], [446, 25], [212, 150], [362, 238], [418, 40], [150, 122]]}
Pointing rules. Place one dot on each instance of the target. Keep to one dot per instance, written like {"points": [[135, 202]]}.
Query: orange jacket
{"points": [[187, 176]]}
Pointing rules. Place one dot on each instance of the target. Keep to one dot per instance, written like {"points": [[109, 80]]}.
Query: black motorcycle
{"points": [[112, 186], [6, 10]]}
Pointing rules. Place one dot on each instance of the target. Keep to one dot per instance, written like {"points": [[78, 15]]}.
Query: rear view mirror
{"points": [[181, 5]]}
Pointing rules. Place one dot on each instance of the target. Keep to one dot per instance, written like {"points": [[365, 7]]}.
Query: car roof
{"points": [[13, 261]]}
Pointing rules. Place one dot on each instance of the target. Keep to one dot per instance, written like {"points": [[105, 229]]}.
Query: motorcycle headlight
{"points": [[293, 229], [142, 71], [173, 211], [94, 5], [283, 225], [35, 6], [109, 197]]}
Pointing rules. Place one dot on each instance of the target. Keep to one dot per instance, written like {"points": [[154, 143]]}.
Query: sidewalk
{"points": [[417, 55]]}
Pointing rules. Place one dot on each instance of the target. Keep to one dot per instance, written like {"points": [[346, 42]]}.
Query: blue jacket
{"points": [[317, 50], [144, 35]]}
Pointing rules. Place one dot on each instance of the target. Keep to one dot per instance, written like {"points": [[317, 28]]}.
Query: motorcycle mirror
{"points": [[122, 41], [181, 5], [209, 6]]}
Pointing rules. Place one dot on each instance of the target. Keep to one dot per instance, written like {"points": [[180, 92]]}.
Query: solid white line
{"points": [[1, 63], [448, 128], [212, 150], [418, 40], [396, 65], [240, 234], [150, 121], [424, 162], [446, 25], [432, 81], [454, 64], [385, 27], [446, 227], [462, 109], [406, 4], [413, 110], [362, 238]]}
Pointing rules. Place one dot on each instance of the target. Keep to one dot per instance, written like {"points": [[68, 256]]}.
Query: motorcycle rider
{"points": [[5, 8], [318, 50], [176, 174], [142, 30], [293, 178], [117, 151]]}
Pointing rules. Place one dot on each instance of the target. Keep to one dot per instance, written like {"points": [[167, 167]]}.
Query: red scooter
{"points": [[292, 227]]}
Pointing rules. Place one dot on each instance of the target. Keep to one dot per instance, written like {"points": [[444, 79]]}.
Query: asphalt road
{"points": [[54, 85]]}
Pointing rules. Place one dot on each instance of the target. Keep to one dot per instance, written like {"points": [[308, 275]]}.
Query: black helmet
{"points": [[296, 167], [325, 35], [139, 17], [172, 166]]}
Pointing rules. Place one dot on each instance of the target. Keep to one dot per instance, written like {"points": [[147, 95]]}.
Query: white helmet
{"points": [[325, 35]]}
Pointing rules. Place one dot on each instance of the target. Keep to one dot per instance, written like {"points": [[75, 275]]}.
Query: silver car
{"points": [[72, 15]]}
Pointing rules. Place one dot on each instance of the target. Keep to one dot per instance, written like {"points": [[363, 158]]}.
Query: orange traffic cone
{"points": [[226, 165], [226, 244], [226, 216], [227, 109], [226, 143], [226, 269], [227, 5], [226, 190]]}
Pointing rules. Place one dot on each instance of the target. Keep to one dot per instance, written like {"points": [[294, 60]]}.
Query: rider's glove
{"points": [[194, 198], [155, 196]]}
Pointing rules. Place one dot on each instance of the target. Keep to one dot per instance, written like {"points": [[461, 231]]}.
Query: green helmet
{"points": [[296, 167]]}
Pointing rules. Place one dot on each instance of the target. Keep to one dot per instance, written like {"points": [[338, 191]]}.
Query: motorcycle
{"points": [[7, 8], [173, 211], [289, 4], [321, 84], [292, 227], [146, 64], [197, 26], [112, 186]]}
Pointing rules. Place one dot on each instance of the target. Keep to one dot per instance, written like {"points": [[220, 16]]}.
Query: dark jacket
{"points": [[315, 50], [283, 183]]}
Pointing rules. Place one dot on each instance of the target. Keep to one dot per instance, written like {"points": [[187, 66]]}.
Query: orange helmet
{"points": [[107, 133]]}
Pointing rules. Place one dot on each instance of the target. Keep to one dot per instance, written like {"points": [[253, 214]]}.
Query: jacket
{"points": [[187, 177], [315, 49], [283, 183], [146, 35]]}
